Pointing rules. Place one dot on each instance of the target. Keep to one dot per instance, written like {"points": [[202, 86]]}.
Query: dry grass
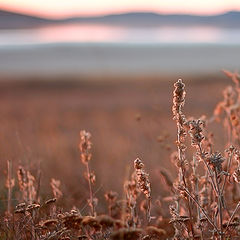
{"points": [[201, 203]]}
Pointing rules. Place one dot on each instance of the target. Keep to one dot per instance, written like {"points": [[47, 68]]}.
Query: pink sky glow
{"points": [[65, 8]]}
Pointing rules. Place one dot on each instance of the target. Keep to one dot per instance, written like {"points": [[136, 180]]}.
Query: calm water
{"points": [[86, 33], [114, 50]]}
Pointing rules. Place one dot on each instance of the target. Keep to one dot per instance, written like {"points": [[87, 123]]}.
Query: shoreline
{"points": [[116, 60]]}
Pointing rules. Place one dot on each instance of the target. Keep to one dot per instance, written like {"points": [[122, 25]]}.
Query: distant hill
{"points": [[17, 20], [229, 19]]}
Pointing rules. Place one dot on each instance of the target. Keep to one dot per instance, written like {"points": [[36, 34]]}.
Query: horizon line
{"points": [[65, 16]]}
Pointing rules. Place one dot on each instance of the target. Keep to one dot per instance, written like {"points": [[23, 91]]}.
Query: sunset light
{"points": [[96, 139], [63, 8]]}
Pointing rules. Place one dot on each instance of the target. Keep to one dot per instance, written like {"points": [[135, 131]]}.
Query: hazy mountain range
{"points": [[229, 19]]}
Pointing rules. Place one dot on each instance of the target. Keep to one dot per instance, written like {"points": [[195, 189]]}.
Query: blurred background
{"points": [[107, 67]]}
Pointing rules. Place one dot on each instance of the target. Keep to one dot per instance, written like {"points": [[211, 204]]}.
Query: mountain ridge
{"points": [[10, 19]]}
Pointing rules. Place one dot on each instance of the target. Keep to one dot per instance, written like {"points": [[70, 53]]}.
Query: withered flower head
{"points": [[85, 146], [91, 176], [49, 223], [20, 208], [215, 161], [138, 164], [32, 207], [178, 97], [196, 132], [49, 201], [21, 205], [142, 178]]}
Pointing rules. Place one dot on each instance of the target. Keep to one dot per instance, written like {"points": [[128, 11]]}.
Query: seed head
{"points": [[179, 94], [138, 164], [49, 201], [85, 146], [215, 161], [196, 132], [142, 178]]}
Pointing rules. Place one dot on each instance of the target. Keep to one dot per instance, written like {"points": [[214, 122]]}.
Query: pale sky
{"points": [[63, 8]]}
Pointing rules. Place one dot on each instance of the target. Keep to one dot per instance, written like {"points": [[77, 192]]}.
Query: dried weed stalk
{"points": [[144, 184], [85, 155], [209, 215]]}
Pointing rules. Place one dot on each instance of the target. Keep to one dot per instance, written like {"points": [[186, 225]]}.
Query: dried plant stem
{"points": [[178, 103], [216, 188], [85, 149], [220, 206], [197, 191], [133, 212], [228, 125], [229, 128], [202, 210], [208, 168], [224, 183], [9, 180], [143, 184], [189, 209], [90, 191], [228, 167], [182, 177], [148, 214], [232, 216]]}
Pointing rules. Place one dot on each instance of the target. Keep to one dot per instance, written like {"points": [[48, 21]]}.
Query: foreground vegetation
{"points": [[202, 202]]}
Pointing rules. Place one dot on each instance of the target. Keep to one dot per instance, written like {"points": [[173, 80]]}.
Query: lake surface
{"points": [[93, 33], [113, 50]]}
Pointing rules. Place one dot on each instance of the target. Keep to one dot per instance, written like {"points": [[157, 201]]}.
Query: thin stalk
{"points": [[189, 209], [92, 207], [228, 167], [232, 216], [202, 210], [220, 207], [224, 183], [9, 186], [197, 191], [208, 168], [148, 213], [229, 127], [183, 179]]}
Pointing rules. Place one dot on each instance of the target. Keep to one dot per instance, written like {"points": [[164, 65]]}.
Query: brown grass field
{"points": [[40, 123]]}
